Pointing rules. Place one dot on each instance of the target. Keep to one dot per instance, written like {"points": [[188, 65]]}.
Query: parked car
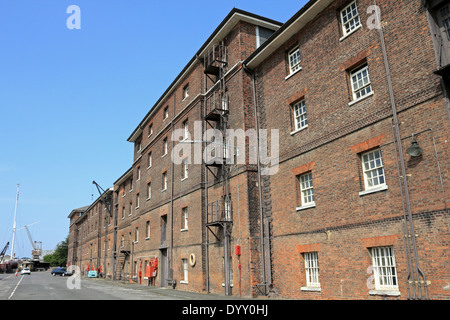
{"points": [[61, 271], [25, 271]]}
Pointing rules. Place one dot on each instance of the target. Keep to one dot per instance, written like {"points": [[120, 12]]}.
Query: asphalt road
{"points": [[44, 286]]}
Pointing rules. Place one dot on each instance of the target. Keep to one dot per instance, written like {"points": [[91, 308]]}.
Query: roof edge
{"points": [[210, 39], [307, 13]]}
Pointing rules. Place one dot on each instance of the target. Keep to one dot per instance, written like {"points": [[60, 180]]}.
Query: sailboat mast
{"points": [[14, 225]]}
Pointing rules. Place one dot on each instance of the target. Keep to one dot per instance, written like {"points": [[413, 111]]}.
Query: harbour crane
{"points": [[2, 254], [37, 245]]}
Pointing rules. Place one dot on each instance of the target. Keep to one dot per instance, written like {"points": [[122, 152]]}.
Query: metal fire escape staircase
{"points": [[219, 211]]}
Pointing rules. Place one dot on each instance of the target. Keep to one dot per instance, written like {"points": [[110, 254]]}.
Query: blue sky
{"points": [[69, 99]]}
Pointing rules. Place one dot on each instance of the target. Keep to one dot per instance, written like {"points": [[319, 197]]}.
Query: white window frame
{"points": [[149, 190], [150, 129], [166, 147], [372, 163], [184, 170], [311, 270], [137, 200], [185, 268], [350, 23], [166, 113], [230, 264], [306, 186], [149, 160], [227, 209], [299, 115], [164, 181], [147, 229], [185, 92], [185, 218], [136, 234], [360, 82], [384, 268], [186, 130], [294, 60]]}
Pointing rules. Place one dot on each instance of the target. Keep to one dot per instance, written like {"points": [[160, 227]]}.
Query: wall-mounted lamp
{"points": [[414, 150]]}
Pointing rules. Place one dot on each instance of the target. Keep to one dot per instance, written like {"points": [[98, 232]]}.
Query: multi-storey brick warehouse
{"points": [[355, 203]]}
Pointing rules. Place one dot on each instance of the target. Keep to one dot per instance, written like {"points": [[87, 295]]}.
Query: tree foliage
{"points": [[59, 257]]}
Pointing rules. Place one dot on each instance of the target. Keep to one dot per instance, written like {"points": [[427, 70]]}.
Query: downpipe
{"points": [[397, 141], [265, 283]]}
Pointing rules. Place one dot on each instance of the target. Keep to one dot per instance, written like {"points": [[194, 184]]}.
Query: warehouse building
{"points": [[347, 115]]}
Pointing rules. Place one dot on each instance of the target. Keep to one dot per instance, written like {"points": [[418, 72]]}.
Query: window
{"points": [[350, 18], [150, 129], [227, 208], [137, 200], [185, 267], [130, 209], [384, 268], [185, 91], [138, 146], [184, 218], [373, 171], [184, 170], [311, 269], [147, 230], [299, 112], [306, 190], [149, 160], [294, 60], [165, 147], [123, 212], [361, 86], [164, 181], [166, 113], [186, 130], [136, 234], [230, 269], [262, 34], [149, 191], [138, 173], [122, 241]]}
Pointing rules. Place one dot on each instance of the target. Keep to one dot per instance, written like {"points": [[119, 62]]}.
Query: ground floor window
{"points": [[385, 272], [312, 269], [185, 266]]}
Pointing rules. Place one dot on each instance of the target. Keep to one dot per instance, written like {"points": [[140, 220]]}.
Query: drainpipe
{"points": [[205, 203], [170, 263], [115, 255], [397, 139], [261, 216]]}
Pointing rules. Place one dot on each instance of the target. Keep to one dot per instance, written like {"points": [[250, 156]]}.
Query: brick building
{"points": [[349, 211]]}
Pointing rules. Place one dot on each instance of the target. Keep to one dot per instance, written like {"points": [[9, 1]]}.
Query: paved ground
{"points": [[43, 286]]}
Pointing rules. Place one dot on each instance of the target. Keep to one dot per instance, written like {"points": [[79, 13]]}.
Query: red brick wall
{"points": [[344, 224], [336, 134]]}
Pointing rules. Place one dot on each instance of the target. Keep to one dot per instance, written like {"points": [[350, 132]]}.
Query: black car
{"points": [[61, 271]]}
